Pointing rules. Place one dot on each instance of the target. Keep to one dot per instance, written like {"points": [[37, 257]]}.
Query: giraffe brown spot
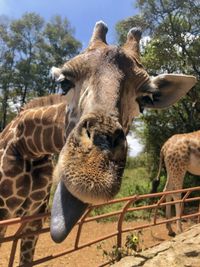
{"points": [[3, 214], [12, 167], [13, 202], [27, 203], [27, 256], [22, 146], [1, 175], [23, 181], [27, 245], [185, 158], [1, 202], [20, 212], [29, 126], [10, 151], [27, 166], [8, 136], [41, 161], [2, 145], [20, 128], [47, 141], [39, 182], [36, 224], [39, 195], [31, 146], [58, 137], [6, 188], [48, 115], [41, 176], [23, 192], [38, 137], [59, 115], [37, 116]]}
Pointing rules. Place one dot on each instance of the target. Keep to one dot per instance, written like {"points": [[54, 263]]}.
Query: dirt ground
{"points": [[90, 256]]}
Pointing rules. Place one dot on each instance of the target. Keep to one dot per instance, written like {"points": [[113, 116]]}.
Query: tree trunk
{"points": [[4, 108]]}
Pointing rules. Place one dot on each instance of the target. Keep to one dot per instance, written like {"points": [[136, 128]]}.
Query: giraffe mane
{"points": [[45, 101]]}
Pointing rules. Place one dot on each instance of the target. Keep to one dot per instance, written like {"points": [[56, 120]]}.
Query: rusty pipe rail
{"points": [[120, 213]]}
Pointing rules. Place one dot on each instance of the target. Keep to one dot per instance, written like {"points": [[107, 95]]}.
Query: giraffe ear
{"points": [[166, 89]]}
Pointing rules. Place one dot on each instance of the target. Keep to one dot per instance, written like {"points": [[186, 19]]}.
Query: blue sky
{"points": [[82, 14]]}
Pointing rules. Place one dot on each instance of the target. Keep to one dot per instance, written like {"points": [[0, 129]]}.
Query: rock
{"points": [[181, 251]]}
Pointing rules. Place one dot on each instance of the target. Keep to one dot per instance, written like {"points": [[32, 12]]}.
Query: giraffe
{"points": [[180, 154], [109, 88], [26, 146]]}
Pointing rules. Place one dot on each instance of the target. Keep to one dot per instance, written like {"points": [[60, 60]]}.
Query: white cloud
{"points": [[134, 146]]}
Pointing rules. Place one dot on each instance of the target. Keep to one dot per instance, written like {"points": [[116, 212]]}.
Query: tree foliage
{"points": [[173, 45], [29, 47]]}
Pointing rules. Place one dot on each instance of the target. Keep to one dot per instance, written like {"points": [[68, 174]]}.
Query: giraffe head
{"points": [[109, 87]]}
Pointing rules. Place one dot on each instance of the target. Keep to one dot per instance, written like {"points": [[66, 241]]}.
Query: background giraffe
{"points": [[180, 153], [26, 146]]}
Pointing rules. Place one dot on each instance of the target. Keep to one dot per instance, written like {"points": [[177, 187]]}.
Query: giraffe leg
{"points": [[28, 243], [2, 232], [178, 213], [3, 216], [41, 174], [175, 176], [178, 177], [168, 216]]}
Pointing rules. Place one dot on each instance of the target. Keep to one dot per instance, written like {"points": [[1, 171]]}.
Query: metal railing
{"points": [[151, 202]]}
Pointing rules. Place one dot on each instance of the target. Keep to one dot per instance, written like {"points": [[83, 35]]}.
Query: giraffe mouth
{"points": [[65, 213], [89, 168]]}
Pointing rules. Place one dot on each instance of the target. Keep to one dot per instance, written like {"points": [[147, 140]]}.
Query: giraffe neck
{"points": [[41, 131]]}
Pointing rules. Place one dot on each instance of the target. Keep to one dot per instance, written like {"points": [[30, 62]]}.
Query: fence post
{"points": [[156, 209], [14, 245], [121, 218], [80, 227]]}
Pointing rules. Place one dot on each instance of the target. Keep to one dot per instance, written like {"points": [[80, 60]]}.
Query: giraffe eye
{"points": [[66, 85]]}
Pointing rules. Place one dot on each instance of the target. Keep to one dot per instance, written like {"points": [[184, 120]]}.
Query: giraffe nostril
{"points": [[88, 133]]}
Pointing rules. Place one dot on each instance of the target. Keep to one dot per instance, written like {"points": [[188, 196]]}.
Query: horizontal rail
{"points": [[24, 219], [160, 222], [140, 197]]}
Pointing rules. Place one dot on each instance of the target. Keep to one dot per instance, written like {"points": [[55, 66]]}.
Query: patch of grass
{"points": [[53, 189], [132, 244], [134, 181]]}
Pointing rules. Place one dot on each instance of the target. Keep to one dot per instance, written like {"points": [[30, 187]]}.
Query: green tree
{"points": [[6, 70], [26, 36], [29, 48]]}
